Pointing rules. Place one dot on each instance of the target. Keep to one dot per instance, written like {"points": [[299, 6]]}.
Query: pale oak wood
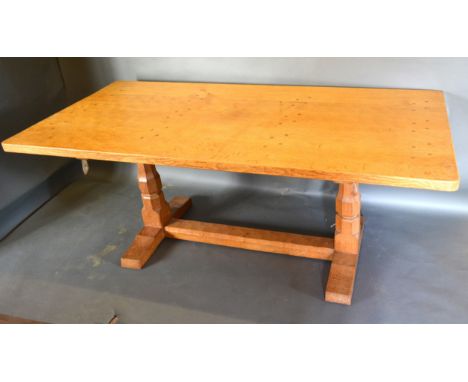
{"points": [[348, 218], [156, 213], [349, 135], [341, 278], [348, 236], [179, 206], [313, 247], [149, 238], [142, 248]]}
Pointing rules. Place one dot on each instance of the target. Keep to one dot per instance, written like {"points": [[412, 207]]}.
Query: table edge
{"points": [[339, 177]]}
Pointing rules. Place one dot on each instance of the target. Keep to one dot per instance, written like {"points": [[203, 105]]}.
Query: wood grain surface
{"points": [[390, 137], [348, 237], [292, 244]]}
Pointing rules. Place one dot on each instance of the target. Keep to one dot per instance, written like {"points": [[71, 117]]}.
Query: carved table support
{"points": [[156, 214], [347, 244], [162, 219], [156, 211]]}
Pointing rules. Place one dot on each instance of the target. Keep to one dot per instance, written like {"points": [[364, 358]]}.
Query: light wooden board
{"points": [[313, 247], [377, 136]]}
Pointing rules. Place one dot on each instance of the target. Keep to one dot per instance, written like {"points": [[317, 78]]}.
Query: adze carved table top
{"points": [[390, 137]]}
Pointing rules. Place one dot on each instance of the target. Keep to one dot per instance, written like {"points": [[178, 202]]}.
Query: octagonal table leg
{"points": [[348, 235], [156, 214]]}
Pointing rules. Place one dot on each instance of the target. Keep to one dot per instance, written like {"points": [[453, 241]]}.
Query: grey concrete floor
{"points": [[62, 264]]}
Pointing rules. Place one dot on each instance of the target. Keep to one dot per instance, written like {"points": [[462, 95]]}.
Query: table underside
{"points": [[162, 219]]}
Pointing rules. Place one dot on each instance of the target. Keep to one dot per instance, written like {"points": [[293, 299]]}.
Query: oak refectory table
{"points": [[391, 137]]}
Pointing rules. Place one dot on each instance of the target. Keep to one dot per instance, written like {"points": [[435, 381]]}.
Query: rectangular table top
{"points": [[390, 137]]}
